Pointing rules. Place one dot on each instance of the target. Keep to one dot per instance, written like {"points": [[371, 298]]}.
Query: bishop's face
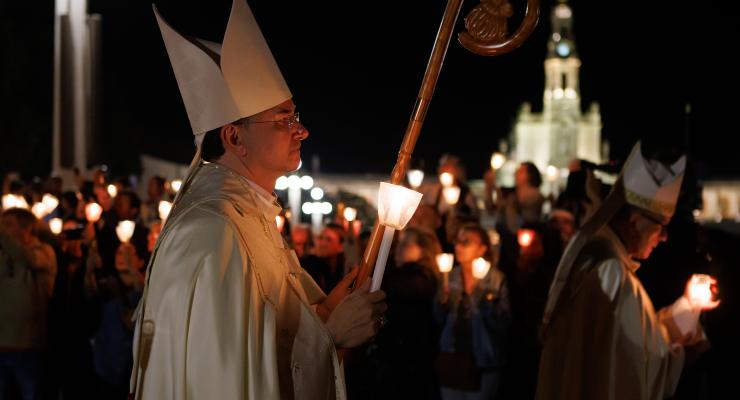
{"points": [[273, 139], [650, 231]]}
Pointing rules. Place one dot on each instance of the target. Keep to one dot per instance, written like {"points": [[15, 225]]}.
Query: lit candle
{"points": [[112, 190], [396, 206], [125, 230], [415, 177], [39, 210], [700, 291], [446, 179], [451, 195], [356, 227], [280, 221], [14, 201], [55, 224], [497, 160], [176, 185], [444, 263], [350, 214], [525, 237], [93, 211], [50, 202], [164, 209], [480, 268]]}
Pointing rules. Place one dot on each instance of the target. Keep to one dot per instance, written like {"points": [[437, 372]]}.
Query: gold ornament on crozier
{"points": [[487, 22]]}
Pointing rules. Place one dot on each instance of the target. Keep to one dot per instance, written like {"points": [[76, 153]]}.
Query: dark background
{"points": [[355, 68]]}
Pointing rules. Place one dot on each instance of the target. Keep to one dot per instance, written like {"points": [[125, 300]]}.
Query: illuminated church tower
{"points": [[561, 132]]}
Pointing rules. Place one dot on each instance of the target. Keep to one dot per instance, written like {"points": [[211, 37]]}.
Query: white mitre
{"points": [[220, 84], [650, 185]]}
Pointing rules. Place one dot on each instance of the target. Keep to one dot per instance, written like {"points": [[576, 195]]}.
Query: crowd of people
{"points": [[106, 296], [68, 298]]}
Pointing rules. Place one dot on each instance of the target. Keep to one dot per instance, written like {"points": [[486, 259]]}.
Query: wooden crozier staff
{"points": [[486, 35]]}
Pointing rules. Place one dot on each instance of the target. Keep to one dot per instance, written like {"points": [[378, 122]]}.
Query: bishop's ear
{"points": [[232, 140]]}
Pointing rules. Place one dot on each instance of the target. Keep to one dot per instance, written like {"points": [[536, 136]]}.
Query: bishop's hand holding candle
{"points": [[700, 295]]}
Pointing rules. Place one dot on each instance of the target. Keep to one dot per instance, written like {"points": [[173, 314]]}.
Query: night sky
{"points": [[355, 68]]}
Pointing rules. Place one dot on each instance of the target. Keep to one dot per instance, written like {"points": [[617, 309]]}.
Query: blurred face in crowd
{"points": [[126, 256], [468, 247], [521, 176], [329, 243], [104, 199], [408, 249], [565, 224], [122, 207], [10, 226], [155, 189], [299, 238], [647, 231]]}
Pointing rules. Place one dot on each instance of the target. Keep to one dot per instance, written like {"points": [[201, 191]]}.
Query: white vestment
{"points": [[230, 305]]}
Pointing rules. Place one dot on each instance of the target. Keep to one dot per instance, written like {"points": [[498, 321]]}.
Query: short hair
{"points": [[134, 200], [25, 218], [485, 239], [339, 229], [211, 149], [428, 243], [535, 177]]}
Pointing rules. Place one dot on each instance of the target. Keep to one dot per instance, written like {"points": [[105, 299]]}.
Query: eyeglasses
{"points": [[293, 121], [663, 226]]}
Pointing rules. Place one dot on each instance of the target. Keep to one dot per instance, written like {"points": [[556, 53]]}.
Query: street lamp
{"points": [[317, 210], [294, 184]]}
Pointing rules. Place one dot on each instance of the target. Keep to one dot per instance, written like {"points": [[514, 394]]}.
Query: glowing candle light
{"points": [[415, 177], [480, 268], [112, 190], [50, 202], [93, 211], [164, 209], [446, 179], [525, 237], [125, 230], [176, 185], [39, 210], [55, 224], [451, 195], [350, 214]]}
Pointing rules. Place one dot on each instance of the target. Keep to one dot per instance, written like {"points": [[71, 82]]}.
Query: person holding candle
{"points": [[601, 336], [228, 312], [451, 198], [475, 315], [27, 271], [407, 345]]}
